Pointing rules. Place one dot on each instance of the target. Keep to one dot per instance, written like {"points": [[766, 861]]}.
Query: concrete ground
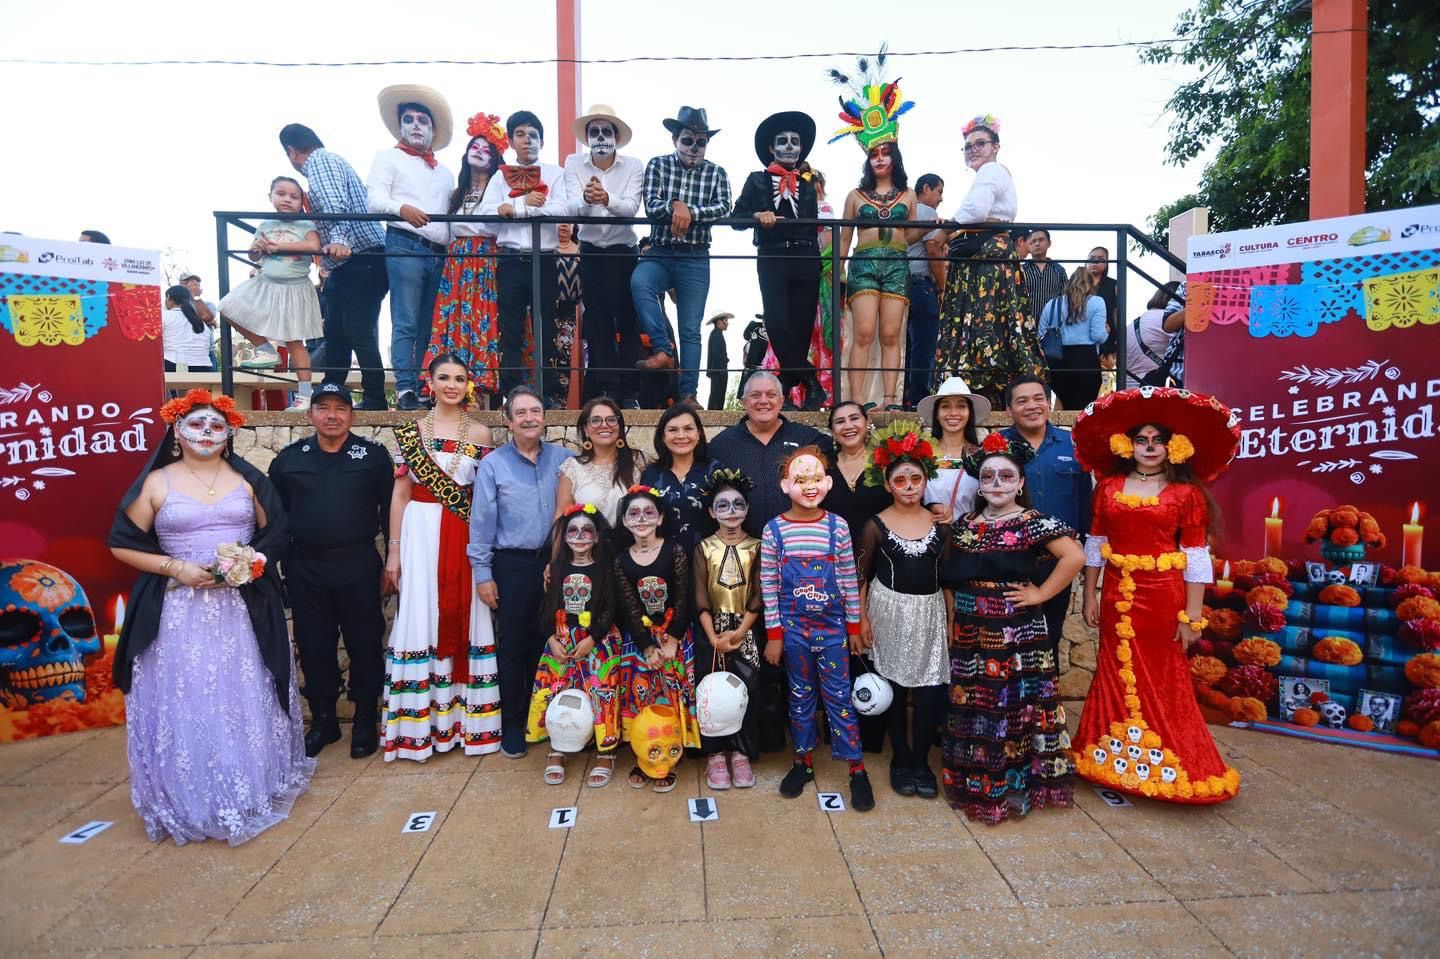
{"points": [[1328, 851]]}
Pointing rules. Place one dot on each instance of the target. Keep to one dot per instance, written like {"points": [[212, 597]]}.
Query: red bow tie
{"points": [[789, 185], [523, 180], [425, 155]]}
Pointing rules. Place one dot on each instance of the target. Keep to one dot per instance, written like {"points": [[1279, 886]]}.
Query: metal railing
{"points": [[1123, 234]]}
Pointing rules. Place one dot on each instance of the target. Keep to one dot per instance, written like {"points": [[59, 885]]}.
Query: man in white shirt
{"points": [[407, 181], [604, 183], [528, 188]]}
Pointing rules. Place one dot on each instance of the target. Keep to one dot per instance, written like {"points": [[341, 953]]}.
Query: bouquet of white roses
{"points": [[237, 564]]}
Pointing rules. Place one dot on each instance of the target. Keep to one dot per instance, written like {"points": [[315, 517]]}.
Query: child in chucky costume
{"points": [[812, 612]]}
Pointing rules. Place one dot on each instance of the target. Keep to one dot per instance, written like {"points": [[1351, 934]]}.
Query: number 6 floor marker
{"points": [[86, 832], [419, 822], [831, 802]]}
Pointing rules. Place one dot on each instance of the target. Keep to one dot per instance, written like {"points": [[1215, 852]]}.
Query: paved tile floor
{"points": [[1328, 851]]}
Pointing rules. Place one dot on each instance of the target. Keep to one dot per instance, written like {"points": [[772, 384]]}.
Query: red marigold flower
{"points": [[995, 443], [1276, 581], [1251, 681], [1421, 633], [1422, 707], [1410, 591], [1267, 619]]}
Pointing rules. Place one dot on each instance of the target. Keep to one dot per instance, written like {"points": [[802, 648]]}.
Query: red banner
{"points": [[81, 381], [1325, 339]]}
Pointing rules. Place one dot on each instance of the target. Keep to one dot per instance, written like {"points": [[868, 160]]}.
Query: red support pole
{"points": [[567, 74], [1337, 107]]}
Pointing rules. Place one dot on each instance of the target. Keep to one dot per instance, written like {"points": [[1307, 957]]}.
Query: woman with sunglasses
{"points": [[986, 331], [607, 465]]}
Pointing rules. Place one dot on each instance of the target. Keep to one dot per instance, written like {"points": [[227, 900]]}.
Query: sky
{"points": [[147, 153]]}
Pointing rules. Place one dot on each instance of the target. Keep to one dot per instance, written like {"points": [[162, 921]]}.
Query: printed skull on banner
{"points": [[46, 630], [653, 594], [575, 591]]}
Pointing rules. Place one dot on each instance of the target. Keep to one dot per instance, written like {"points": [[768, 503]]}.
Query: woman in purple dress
{"points": [[213, 717]]}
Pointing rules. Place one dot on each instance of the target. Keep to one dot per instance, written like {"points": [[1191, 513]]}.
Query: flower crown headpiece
{"points": [[488, 127], [900, 442], [587, 508], [1177, 450], [179, 408], [647, 490], [872, 114], [990, 121], [725, 477], [1019, 451]]}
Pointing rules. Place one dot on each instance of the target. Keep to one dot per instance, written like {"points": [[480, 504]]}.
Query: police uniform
{"points": [[336, 503]]}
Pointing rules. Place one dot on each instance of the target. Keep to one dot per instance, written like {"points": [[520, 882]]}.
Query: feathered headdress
{"points": [[871, 112], [725, 477], [900, 442], [488, 127]]}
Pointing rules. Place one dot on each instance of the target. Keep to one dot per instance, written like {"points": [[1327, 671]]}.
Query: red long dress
{"points": [[1141, 731]]}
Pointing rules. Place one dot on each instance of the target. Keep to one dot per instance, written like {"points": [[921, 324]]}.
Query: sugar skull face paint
{"points": [[203, 431], [690, 146], [642, 517], [600, 134], [416, 129], [527, 142], [1000, 481], [729, 509], [880, 160], [786, 148], [479, 154], [580, 536]]}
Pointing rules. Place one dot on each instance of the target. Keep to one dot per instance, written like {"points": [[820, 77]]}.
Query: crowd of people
{"points": [[713, 602], [961, 298]]}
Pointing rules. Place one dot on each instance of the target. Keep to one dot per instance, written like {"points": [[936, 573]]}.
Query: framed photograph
{"points": [[1382, 708], [1295, 693], [1317, 573], [1364, 574]]}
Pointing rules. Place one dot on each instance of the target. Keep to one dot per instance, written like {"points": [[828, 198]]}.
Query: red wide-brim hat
{"points": [[1212, 427]]}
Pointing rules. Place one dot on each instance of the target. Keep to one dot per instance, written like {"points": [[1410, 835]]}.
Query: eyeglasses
{"points": [[598, 421], [1151, 441], [731, 507], [689, 142], [910, 481], [998, 477], [974, 145]]}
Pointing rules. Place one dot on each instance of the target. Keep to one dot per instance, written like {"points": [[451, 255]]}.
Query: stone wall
{"points": [[268, 433]]}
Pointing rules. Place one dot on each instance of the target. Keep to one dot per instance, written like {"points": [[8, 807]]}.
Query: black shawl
{"points": [[263, 598]]}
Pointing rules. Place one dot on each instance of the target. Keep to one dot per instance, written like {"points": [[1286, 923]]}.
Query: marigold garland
{"points": [[1418, 607], [1275, 581], [1345, 526], [1258, 652], [1338, 650], [1207, 669], [1423, 671], [180, 407], [1266, 596], [1135, 501], [1340, 596], [1225, 624], [1412, 575]]}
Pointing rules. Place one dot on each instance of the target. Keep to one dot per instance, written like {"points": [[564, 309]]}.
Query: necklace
{"points": [[210, 486], [985, 515], [430, 441], [1147, 476]]}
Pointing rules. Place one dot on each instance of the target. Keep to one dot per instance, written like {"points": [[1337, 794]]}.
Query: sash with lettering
{"points": [[452, 569]]}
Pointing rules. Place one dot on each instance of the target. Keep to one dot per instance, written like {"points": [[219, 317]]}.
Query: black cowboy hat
{"points": [[778, 122], [689, 118]]}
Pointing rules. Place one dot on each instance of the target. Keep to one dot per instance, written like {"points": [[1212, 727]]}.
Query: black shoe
{"points": [[814, 396], [324, 730], [407, 400], [902, 781], [862, 797], [925, 785], [364, 735], [795, 780]]}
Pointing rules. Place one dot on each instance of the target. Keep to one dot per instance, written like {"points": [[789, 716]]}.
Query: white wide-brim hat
{"points": [[954, 386], [602, 111], [391, 98]]}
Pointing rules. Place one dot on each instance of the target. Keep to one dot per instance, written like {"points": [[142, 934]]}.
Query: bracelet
{"points": [[394, 542], [165, 566], [1195, 624]]}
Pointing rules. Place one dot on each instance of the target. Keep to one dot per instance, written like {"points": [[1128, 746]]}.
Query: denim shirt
{"points": [[512, 504], [1058, 485]]}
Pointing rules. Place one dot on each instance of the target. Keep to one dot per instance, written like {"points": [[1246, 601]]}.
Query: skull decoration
{"points": [[575, 591], [1114, 745], [1336, 577], [1133, 733], [1100, 756], [1121, 764], [46, 630], [1134, 752], [1156, 757], [1142, 770], [1333, 713], [655, 736], [1167, 774], [653, 594]]}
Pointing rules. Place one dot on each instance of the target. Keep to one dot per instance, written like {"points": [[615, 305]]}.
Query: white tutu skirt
{"points": [[284, 311]]}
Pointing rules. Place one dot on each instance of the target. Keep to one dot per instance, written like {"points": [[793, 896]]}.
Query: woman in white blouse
{"points": [[607, 466], [986, 332]]}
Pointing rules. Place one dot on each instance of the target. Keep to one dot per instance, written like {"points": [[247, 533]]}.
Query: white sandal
{"points": [[555, 772]]}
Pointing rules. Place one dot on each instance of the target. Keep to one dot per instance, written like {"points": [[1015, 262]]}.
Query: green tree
{"points": [[1252, 98]]}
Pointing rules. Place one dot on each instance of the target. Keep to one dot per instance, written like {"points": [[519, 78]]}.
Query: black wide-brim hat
{"points": [[689, 118], [779, 122]]}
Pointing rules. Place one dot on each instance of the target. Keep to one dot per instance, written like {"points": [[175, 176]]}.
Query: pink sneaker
{"points": [[742, 776], [716, 775]]}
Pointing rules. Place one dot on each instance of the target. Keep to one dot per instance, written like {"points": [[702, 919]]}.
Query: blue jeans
{"points": [[920, 335], [687, 272], [414, 281]]}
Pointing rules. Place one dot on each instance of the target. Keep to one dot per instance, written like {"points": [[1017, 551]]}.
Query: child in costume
{"points": [[904, 612], [658, 658], [584, 652], [279, 303], [1006, 746], [812, 610], [727, 606], [1152, 449]]}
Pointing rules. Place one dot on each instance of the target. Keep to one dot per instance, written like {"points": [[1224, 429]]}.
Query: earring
{"points": [[620, 443], [586, 445], [175, 447]]}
